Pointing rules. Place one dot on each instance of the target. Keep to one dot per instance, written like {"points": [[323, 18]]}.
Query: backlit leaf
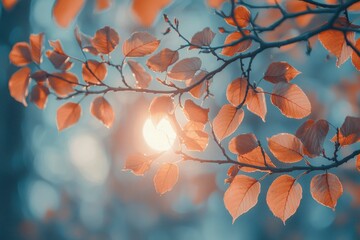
{"points": [[195, 113], [284, 196], [256, 158], [326, 189], [355, 58], [63, 83], [199, 89], [256, 103], [242, 17], [202, 38], [242, 46], [105, 40], [138, 164], [194, 137], [236, 91], [227, 121], [185, 69], [140, 44], [243, 143], [291, 100], [166, 177], [160, 107], [162, 60], [102, 110], [286, 147], [39, 95], [18, 85], [20, 54], [142, 77], [64, 11], [94, 72], [349, 132], [36, 47], [67, 115], [280, 72], [242, 195]]}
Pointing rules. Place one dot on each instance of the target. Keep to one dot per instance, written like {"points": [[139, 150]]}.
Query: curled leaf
{"points": [[143, 78], [280, 72]]}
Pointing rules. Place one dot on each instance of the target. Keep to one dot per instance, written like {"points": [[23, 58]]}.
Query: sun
{"points": [[160, 137]]}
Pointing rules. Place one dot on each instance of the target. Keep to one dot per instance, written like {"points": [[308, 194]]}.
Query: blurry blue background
{"points": [[70, 185]]}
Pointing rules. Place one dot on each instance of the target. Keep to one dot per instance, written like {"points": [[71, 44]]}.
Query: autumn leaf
{"points": [[195, 113], [67, 115], [138, 164], [256, 157], [147, 11], [36, 47], [142, 77], [102, 110], [326, 189], [242, 17], [105, 40], [355, 58], [18, 85], [349, 131], [227, 121], [284, 196], [334, 41], [20, 54], [63, 83], [39, 95], [286, 147], [215, 3], [160, 107], [243, 143], [242, 46], [312, 134], [39, 76], [140, 44], [280, 72], [185, 69], [65, 11], [85, 42], [199, 89], [291, 100], [242, 195], [295, 6], [194, 137], [236, 91], [93, 71], [58, 57], [256, 103], [202, 38], [166, 177], [9, 4], [102, 5], [162, 60]]}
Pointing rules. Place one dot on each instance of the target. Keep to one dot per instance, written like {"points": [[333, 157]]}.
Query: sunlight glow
{"points": [[160, 137]]}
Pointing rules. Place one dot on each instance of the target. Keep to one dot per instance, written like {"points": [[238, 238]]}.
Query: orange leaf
{"points": [[312, 134], [64, 11], [160, 107], [143, 78], [166, 177], [147, 11], [242, 195], [355, 58], [67, 115], [334, 41], [185, 69], [227, 121], [236, 91], [102, 110], [9, 4], [291, 100], [140, 44], [326, 189], [20, 54], [94, 72], [256, 158], [36, 47], [39, 95], [39, 76], [242, 17], [286, 147], [18, 85], [295, 6], [242, 46], [199, 89], [58, 57], [349, 132], [215, 3], [102, 5], [195, 113], [243, 143], [202, 38], [138, 164], [280, 72], [256, 102], [194, 138], [284, 196], [63, 83], [105, 40], [162, 60], [85, 42]]}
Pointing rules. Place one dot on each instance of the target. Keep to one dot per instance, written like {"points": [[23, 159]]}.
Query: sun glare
{"points": [[160, 137]]}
